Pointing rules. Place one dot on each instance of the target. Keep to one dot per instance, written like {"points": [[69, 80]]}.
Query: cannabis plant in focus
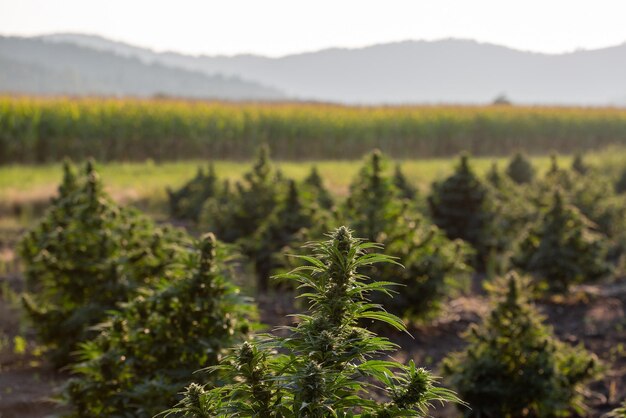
{"points": [[86, 255], [148, 350], [562, 249], [514, 366], [520, 169], [327, 365], [187, 202]]}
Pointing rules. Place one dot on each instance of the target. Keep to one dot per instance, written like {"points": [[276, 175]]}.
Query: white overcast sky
{"points": [[279, 27]]}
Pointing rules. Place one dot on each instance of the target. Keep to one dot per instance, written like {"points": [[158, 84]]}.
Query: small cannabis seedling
{"points": [[328, 365]]}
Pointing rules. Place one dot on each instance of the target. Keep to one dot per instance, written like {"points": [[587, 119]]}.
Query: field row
{"points": [[145, 183], [38, 130]]}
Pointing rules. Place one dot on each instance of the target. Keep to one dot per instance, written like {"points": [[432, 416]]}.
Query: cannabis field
{"points": [[222, 260]]}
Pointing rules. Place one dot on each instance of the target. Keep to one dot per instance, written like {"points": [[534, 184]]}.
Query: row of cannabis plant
{"points": [[328, 365], [130, 308], [505, 220]]}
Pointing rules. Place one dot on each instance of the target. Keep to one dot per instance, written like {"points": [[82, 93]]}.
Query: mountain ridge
{"points": [[452, 71], [76, 37], [34, 66]]}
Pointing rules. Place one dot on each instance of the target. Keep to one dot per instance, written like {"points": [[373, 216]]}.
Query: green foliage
{"points": [[514, 366], [187, 202], [460, 206], [327, 365], [435, 268], [373, 207], [541, 192], [579, 165], [511, 210], [558, 177], [69, 183], [494, 178], [406, 189], [593, 195], [291, 222], [520, 169], [314, 185], [86, 255], [561, 249], [248, 205], [36, 130], [620, 185], [147, 351]]}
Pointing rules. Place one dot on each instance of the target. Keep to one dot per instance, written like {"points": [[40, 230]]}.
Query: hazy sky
{"points": [[278, 27]]}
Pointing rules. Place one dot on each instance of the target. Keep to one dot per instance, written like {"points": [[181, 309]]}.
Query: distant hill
{"points": [[446, 71], [36, 66]]}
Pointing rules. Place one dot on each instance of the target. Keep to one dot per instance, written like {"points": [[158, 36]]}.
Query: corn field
{"points": [[40, 130]]}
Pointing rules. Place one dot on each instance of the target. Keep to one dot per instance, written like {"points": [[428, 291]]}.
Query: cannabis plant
{"points": [[248, 205], [593, 195], [404, 187], [69, 184], [435, 268], [494, 178], [314, 186], [514, 366], [148, 350], [460, 206], [39, 239], [373, 206], [520, 169], [291, 222], [562, 249], [557, 177], [327, 365], [512, 211], [86, 255], [620, 185], [578, 165], [187, 202]]}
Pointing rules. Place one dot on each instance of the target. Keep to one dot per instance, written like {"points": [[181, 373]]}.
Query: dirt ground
{"points": [[592, 315]]}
